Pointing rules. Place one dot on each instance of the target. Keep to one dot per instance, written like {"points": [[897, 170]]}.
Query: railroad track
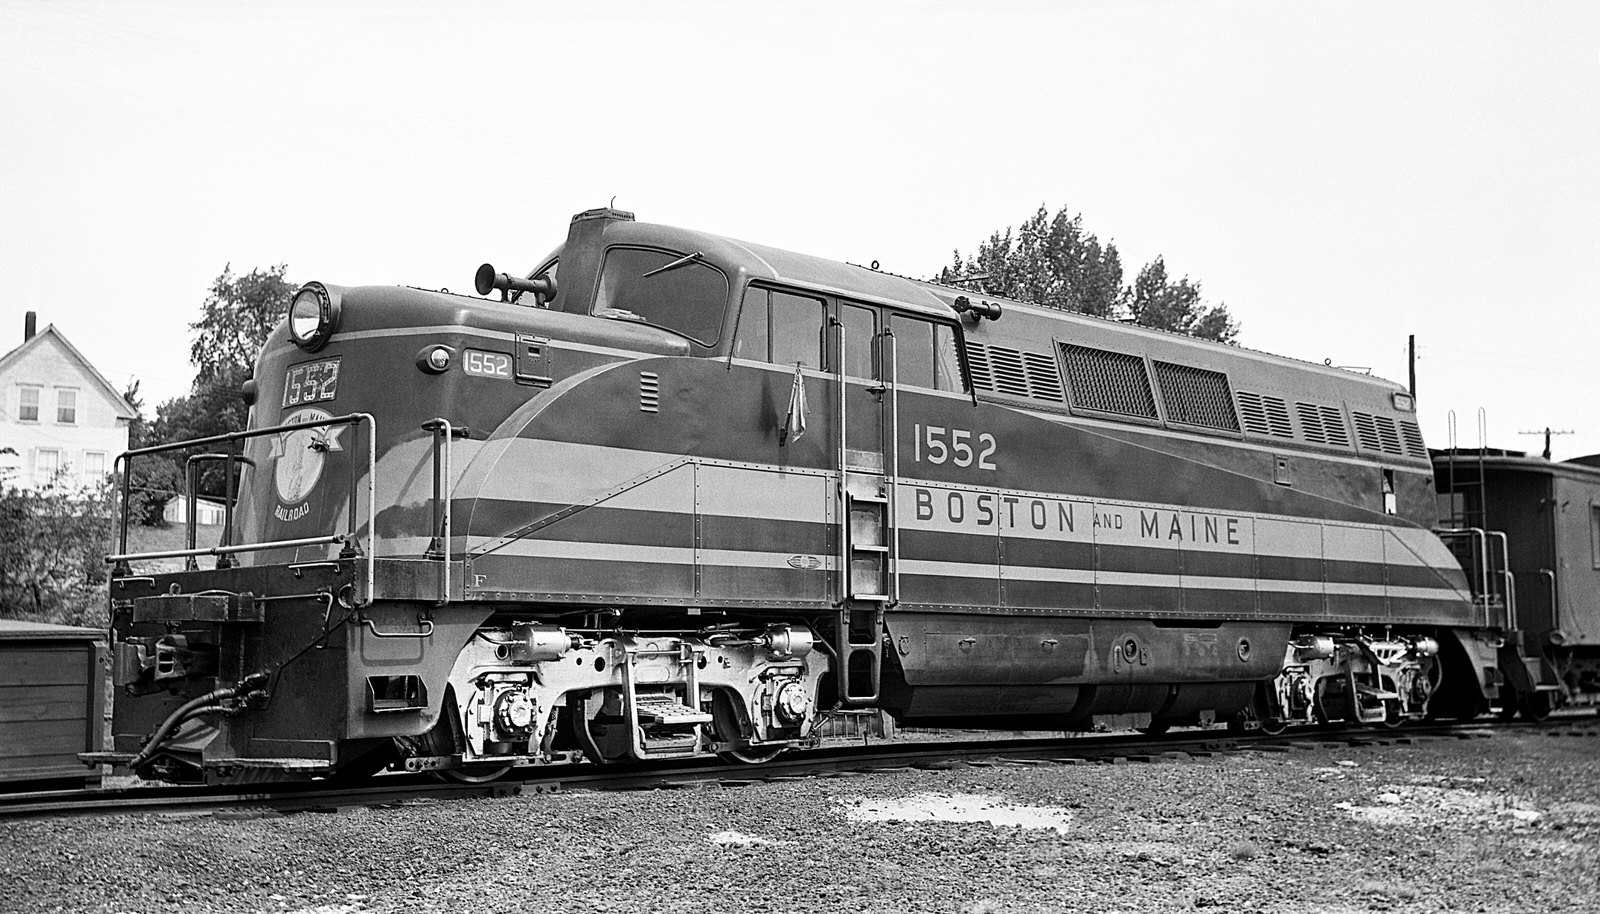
{"points": [[834, 761]]}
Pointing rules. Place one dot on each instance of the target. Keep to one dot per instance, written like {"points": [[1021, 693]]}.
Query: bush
{"points": [[52, 552]]}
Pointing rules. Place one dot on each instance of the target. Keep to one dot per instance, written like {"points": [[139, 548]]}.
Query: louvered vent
{"points": [[1195, 396], [1109, 382], [1010, 371], [978, 364], [649, 392], [1265, 415], [1322, 424], [1413, 437], [1007, 371], [1379, 433], [1044, 378]]}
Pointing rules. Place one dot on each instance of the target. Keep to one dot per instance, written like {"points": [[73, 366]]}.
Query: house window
{"points": [[67, 406], [46, 464], [94, 466], [28, 409]]}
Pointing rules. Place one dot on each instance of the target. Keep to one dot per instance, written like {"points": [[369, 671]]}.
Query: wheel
{"points": [[1273, 726], [1392, 717], [446, 738], [1156, 728], [473, 774], [753, 756], [1535, 706], [727, 727]]}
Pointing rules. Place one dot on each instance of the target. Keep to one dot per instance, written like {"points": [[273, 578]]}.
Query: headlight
{"points": [[313, 316]]}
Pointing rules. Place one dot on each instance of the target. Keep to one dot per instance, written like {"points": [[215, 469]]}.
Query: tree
{"points": [[235, 320], [1055, 262], [237, 316], [151, 480], [1052, 262], [1176, 306]]}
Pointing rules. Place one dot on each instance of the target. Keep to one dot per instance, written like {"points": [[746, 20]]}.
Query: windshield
{"points": [[667, 289]]}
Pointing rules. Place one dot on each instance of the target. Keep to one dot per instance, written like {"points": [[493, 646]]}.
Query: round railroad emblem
{"points": [[300, 454], [805, 562]]}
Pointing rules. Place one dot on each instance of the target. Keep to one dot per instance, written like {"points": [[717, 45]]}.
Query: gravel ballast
{"points": [[1509, 823]]}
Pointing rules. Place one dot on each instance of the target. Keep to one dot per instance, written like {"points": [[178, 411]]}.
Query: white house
{"points": [[207, 512], [57, 412]]}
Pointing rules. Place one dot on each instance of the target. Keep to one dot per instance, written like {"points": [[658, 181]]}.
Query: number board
{"points": [[486, 364], [311, 382]]}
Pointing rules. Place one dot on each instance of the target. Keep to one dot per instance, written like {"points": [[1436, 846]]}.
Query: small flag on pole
{"points": [[794, 424]]}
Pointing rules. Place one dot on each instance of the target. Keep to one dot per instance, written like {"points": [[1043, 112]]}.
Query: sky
{"points": [[1340, 175]]}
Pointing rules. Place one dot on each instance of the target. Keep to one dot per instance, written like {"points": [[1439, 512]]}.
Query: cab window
{"points": [[780, 327], [860, 341], [925, 354], [666, 289]]}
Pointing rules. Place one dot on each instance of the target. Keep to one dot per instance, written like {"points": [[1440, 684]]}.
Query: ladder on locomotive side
{"points": [[867, 553]]}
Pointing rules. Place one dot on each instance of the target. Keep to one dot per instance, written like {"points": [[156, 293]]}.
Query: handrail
{"points": [[891, 509], [843, 432], [226, 550], [1511, 581], [352, 548], [439, 544], [192, 496], [1555, 602]]}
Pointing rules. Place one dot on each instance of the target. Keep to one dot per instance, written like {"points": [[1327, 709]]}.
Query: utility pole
{"points": [[1547, 433], [1411, 362]]}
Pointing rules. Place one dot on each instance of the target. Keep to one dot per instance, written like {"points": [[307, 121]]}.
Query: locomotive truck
{"points": [[669, 494]]}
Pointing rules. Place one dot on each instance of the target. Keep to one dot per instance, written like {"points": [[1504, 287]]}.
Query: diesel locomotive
{"points": [[669, 494]]}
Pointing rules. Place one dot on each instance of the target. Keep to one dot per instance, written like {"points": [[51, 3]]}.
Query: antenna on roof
{"points": [[1547, 432]]}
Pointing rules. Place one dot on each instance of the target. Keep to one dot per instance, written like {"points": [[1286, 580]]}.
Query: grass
{"points": [[167, 539]]}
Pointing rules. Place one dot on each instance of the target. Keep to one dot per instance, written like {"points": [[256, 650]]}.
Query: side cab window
{"points": [[925, 354], [781, 327]]}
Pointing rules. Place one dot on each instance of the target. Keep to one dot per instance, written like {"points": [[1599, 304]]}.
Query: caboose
{"points": [[669, 494], [1548, 515]]}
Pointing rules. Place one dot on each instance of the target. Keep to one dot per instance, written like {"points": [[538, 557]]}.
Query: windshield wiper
{"points": [[687, 258]]}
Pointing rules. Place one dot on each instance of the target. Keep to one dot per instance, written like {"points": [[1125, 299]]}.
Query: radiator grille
{"points": [[1196, 396], [1109, 382]]}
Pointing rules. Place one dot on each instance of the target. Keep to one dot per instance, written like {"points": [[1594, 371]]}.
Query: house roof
{"points": [[124, 409]]}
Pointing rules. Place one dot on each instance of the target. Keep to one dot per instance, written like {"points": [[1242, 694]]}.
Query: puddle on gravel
{"points": [[1422, 805], [740, 839], [958, 807]]}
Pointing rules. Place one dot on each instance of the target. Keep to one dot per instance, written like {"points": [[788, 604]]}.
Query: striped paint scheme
{"points": [[711, 533], [1045, 552]]}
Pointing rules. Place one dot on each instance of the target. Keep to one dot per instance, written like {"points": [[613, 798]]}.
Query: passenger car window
{"points": [[666, 289], [925, 354]]}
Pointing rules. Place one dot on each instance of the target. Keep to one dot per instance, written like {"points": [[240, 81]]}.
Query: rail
{"points": [[351, 545]]}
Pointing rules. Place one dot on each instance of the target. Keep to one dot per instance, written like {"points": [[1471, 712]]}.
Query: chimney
{"points": [[30, 326]]}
